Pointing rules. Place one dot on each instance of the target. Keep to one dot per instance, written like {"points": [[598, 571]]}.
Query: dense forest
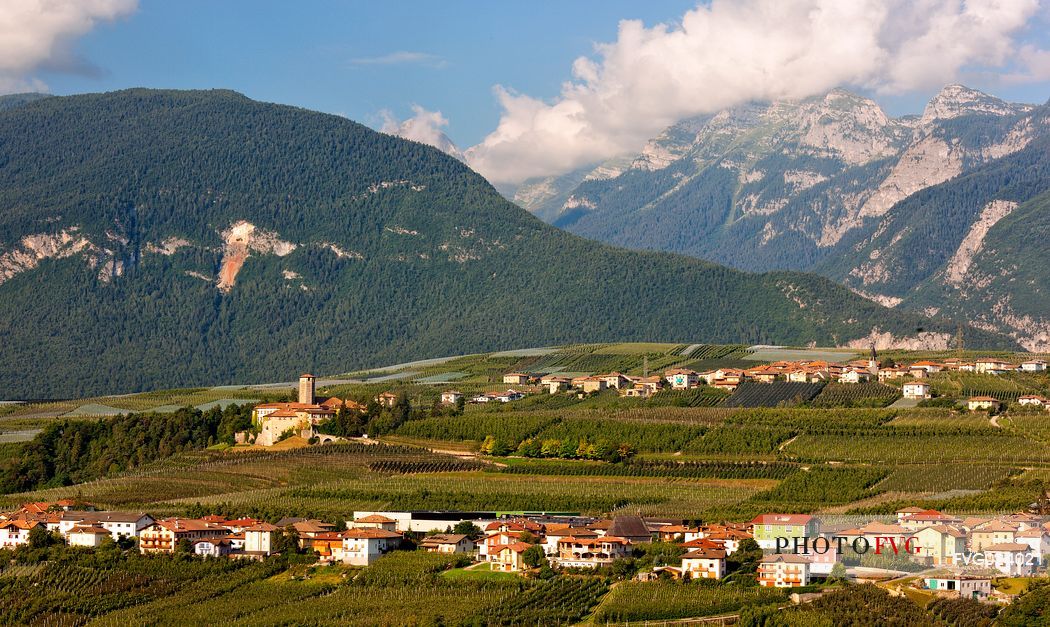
{"points": [[74, 451], [394, 251]]}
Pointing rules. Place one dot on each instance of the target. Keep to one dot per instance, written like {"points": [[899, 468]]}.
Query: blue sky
{"points": [[304, 53], [507, 81]]}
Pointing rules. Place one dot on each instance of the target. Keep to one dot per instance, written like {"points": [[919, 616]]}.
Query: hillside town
{"points": [[275, 421], [940, 553]]}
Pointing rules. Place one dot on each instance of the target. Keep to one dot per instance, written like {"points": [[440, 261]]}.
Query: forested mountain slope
{"points": [[162, 238]]}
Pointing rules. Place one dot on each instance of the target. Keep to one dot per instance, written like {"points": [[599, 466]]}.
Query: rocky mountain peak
{"points": [[958, 100]]}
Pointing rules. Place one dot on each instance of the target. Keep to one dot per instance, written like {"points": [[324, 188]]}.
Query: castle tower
{"points": [[873, 361], [306, 389]]}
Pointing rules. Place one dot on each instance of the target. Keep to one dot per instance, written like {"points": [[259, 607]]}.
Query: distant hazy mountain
{"points": [[816, 184], [429, 136], [161, 238]]}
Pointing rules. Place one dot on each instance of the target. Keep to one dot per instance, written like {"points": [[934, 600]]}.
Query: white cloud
{"points": [[730, 52], [38, 34], [402, 57], [424, 127], [1035, 66]]}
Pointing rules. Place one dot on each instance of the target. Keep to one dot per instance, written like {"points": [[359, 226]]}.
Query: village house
{"points": [[1013, 559], [728, 378], [327, 545], [681, 379], [509, 396], [508, 557], [807, 374], [654, 383], [615, 380], [766, 528], [704, 563], [212, 547], [982, 403], [821, 564], [447, 543], [916, 389], [118, 524], [236, 541], [1031, 400], [589, 384], [15, 532], [922, 369], [630, 528], [783, 571], [988, 365], [904, 512], [555, 383], [677, 533], [1037, 538], [163, 536], [937, 545], [636, 392], [238, 525], [487, 548], [729, 539], [959, 584], [556, 533], [451, 397], [1033, 365], [362, 547], [764, 374], [703, 543], [992, 532], [887, 374], [576, 552], [854, 375], [517, 378], [927, 518], [258, 539], [87, 535], [305, 528], [373, 521], [516, 525]]}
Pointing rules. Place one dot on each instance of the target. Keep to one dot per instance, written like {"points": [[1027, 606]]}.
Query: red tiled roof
{"points": [[705, 554], [263, 527], [370, 533], [374, 518], [784, 557], [517, 547], [782, 519]]}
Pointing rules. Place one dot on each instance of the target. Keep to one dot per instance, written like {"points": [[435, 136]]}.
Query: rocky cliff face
{"points": [[830, 183], [861, 162]]}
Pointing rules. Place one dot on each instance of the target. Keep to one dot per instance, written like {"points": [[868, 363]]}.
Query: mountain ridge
{"points": [[811, 185], [191, 238]]}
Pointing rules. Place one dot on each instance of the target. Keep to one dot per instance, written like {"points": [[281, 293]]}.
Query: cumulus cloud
{"points": [[730, 52], [402, 57], [39, 34], [424, 127]]}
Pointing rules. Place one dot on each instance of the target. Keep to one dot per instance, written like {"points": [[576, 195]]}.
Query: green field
{"points": [[684, 453]]}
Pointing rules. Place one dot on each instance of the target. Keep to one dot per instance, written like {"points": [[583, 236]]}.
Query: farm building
{"points": [[982, 403], [916, 389]]}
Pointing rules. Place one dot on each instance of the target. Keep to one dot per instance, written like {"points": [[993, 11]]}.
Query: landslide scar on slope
{"points": [[238, 240]]}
